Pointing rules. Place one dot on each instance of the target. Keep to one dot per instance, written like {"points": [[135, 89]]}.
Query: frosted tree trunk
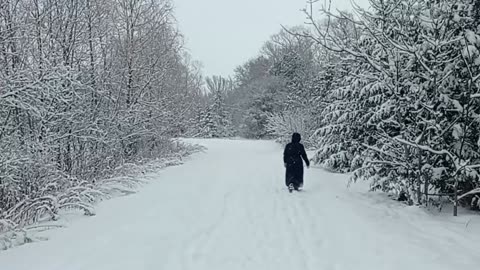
{"points": [[419, 177], [455, 198]]}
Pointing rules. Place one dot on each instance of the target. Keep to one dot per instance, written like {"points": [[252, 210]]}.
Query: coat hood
{"points": [[296, 138]]}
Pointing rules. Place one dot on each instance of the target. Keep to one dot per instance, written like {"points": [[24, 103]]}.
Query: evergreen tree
{"points": [[216, 120]]}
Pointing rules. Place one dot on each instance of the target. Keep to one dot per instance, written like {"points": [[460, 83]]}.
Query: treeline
{"points": [[390, 93], [268, 91], [86, 87]]}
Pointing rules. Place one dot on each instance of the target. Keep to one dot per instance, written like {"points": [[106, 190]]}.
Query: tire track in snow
{"points": [[282, 224], [286, 215], [194, 247], [316, 233], [295, 229], [255, 219], [310, 232]]}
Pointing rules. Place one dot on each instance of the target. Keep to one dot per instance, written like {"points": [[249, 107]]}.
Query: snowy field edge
{"points": [[127, 180]]}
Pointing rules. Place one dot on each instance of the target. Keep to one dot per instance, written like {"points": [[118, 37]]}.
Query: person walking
{"points": [[292, 158]]}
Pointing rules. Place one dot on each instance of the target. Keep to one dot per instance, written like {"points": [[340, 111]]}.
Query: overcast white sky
{"points": [[223, 34]]}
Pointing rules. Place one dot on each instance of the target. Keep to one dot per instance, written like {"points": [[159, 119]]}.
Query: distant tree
{"points": [[216, 120]]}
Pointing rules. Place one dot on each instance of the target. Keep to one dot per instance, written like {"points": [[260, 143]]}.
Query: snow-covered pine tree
{"points": [[355, 94], [216, 122], [422, 131]]}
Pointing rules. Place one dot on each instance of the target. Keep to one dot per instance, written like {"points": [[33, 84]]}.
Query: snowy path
{"points": [[227, 209]]}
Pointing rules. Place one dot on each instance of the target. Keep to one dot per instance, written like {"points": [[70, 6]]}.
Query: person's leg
{"points": [[300, 178], [288, 176]]}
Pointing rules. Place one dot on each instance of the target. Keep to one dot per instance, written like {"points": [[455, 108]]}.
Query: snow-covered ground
{"points": [[227, 209]]}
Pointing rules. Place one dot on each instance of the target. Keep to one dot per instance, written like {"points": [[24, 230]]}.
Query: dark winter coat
{"points": [[292, 157]]}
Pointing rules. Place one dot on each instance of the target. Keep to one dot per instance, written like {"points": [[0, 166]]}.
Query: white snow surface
{"points": [[228, 209]]}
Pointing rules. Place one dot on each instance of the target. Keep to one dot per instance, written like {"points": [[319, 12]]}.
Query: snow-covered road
{"points": [[227, 209]]}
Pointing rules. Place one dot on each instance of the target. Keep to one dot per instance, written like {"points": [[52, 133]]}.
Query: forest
{"points": [[389, 94], [93, 90], [89, 91]]}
